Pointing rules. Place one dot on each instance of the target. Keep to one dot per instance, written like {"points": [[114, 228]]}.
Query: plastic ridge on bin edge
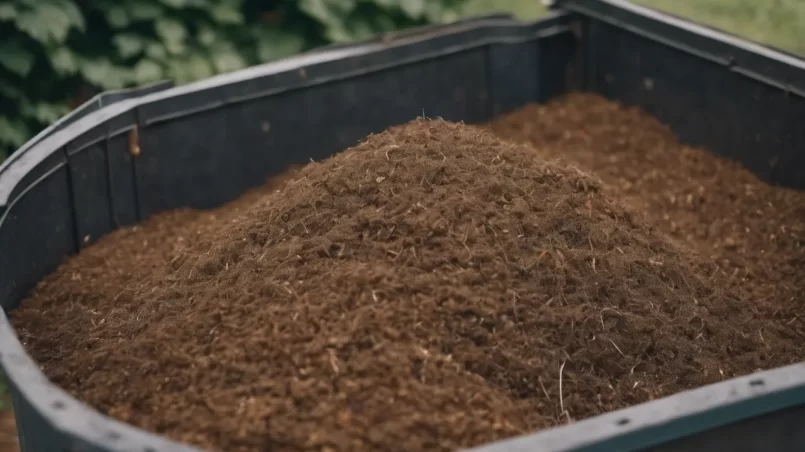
{"points": [[764, 64], [654, 423], [97, 102], [50, 419]]}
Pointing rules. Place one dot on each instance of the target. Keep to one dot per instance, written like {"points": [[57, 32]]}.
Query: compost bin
{"points": [[127, 156]]}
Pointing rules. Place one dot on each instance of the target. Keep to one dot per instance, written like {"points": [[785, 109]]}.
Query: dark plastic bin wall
{"points": [[36, 231], [94, 185], [703, 101], [779, 431], [209, 158]]}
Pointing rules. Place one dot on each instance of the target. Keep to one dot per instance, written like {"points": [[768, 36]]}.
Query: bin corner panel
{"points": [[706, 101], [36, 233]]}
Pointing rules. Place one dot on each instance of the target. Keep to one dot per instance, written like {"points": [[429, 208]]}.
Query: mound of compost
{"points": [[429, 289], [755, 232]]}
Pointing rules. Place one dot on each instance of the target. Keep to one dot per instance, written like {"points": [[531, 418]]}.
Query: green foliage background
{"points": [[56, 54], [59, 53]]}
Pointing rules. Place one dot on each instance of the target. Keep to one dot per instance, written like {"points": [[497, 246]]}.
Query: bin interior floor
{"points": [[435, 287]]}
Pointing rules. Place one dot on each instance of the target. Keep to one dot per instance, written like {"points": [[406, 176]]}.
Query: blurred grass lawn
{"points": [[776, 23]]}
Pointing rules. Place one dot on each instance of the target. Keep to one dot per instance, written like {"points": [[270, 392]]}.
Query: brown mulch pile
{"points": [[431, 288], [752, 230]]}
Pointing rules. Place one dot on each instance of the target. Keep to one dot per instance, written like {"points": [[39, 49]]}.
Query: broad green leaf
{"points": [[102, 73], [200, 67], [175, 4], [144, 10], [275, 43], [147, 71], [344, 6], [190, 69], [384, 24], [16, 58], [13, 132], [63, 61], [226, 15], [434, 12], [171, 32], [8, 12], [156, 51], [226, 59], [360, 28], [449, 16], [47, 23], [176, 48], [320, 10], [9, 91], [74, 13], [337, 32], [43, 112], [128, 44], [387, 4], [206, 36], [414, 9], [118, 17]]}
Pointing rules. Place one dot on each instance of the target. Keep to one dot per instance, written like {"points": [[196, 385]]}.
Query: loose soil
{"points": [[752, 230], [8, 427], [433, 288]]}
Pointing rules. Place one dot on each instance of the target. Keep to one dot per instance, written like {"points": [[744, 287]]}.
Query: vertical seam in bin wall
{"points": [[138, 123], [490, 94], [110, 198], [30, 187], [539, 87], [71, 200], [586, 52]]}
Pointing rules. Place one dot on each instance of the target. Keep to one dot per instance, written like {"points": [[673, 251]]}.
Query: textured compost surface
{"points": [[753, 231], [431, 288], [8, 428]]}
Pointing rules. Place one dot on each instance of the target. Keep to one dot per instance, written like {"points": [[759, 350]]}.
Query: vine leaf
{"points": [[156, 50], [103, 73], [13, 132], [414, 9], [44, 112], [206, 36], [273, 43], [144, 11], [16, 58], [46, 23], [225, 15], [172, 33], [147, 71], [175, 4], [226, 59], [320, 10], [128, 44], [63, 61], [118, 17], [8, 12]]}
